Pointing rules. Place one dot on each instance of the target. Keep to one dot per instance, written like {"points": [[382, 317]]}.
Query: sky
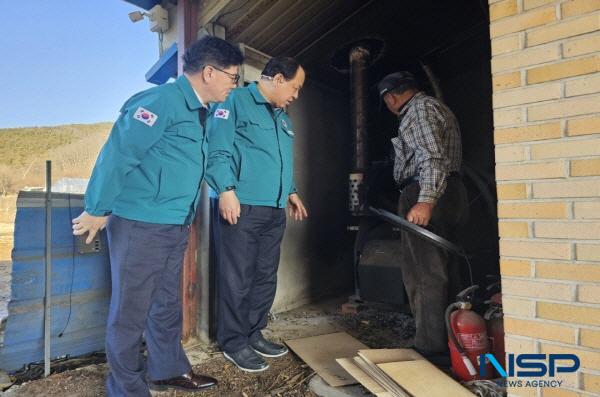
{"points": [[70, 61]]}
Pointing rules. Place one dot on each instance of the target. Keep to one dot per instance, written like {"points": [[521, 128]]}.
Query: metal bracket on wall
{"points": [[91, 248]]}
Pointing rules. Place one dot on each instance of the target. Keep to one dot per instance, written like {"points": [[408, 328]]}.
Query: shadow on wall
{"points": [[316, 258]]}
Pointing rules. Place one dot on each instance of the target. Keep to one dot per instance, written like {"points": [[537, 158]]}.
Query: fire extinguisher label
{"points": [[473, 341]]}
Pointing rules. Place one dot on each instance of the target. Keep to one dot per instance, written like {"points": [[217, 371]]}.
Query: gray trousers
{"points": [[425, 267], [146, 261]]}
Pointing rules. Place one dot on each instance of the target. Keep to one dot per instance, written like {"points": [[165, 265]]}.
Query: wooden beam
{"points": [[187, 28], [210, 9]]}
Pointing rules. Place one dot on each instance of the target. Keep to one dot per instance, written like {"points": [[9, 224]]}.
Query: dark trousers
{"points": [[425, 267], [247, 274], [146, 261]]}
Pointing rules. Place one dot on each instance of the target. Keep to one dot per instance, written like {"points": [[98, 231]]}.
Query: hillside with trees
{"points": [[72, 148]]}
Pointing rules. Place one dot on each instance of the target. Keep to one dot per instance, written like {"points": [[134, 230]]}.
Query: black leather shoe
{"points": [[267, 348], [247, 360], [185, 382]]}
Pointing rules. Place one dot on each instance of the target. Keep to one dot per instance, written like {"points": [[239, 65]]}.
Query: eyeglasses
{"points": [[234, 77]]}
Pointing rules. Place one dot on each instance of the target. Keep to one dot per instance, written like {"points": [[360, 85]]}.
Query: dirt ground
{"points": [[377, 326]]}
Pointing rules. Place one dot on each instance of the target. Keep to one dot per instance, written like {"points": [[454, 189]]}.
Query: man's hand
{"points": [[86, 223], [420, 214], [229, 206], [296, 208]]}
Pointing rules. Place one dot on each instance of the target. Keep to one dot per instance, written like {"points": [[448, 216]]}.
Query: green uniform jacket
{"points": [[251, 148], [153, 162]]}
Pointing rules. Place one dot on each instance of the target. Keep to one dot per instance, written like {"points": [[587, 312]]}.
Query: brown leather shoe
{"points": [[185, 382]]}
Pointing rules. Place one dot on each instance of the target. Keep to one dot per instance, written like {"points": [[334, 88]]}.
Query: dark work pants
{"points": [[146, 261], [425, 266], [247, 274]]}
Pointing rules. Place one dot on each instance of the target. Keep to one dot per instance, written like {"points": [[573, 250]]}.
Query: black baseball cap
{"points": [[399, 81]]}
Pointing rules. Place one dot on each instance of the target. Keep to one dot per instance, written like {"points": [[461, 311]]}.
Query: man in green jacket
{"points": [[145, 189], [250, 166]]}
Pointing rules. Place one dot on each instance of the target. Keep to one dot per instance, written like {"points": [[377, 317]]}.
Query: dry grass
{"points": [[377, 326]]}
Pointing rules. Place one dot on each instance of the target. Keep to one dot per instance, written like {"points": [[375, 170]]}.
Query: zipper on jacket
{"points": [[270, 108]]}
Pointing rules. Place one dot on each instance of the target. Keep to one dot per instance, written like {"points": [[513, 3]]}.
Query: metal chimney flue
{"points": [[359, 62], [355, 58]]}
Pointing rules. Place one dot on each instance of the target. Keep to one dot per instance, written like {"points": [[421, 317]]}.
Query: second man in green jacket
{"points": [[250, 166]]}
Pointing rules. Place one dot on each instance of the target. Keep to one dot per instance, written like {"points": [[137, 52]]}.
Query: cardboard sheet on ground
{"points": [[422, 379], [367, 360], [380, 377], [320, 352], [363, 378], [381, 356]]}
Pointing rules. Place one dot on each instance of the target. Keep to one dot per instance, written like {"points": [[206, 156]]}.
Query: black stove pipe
{"points": [[359, 62]]}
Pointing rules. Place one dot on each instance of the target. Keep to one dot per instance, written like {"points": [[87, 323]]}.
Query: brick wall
{"points": [[546, 97]]}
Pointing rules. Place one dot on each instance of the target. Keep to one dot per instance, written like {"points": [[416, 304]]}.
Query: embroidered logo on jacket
{"points": [[222, 114], [145, 116]]}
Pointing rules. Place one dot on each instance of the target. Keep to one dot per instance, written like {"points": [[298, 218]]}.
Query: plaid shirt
{"points": [[428, 145]]}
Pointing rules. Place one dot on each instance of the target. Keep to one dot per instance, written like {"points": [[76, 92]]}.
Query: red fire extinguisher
{"points": [[494, 318], [467, 337]]}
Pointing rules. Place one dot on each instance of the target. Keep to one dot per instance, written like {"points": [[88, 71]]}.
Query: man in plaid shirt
{"points": [[426, 169]]}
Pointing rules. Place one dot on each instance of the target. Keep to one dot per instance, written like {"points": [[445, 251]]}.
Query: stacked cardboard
{"points": [[400, 373], [342, 360]]}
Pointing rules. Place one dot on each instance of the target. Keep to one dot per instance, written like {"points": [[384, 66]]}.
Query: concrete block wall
{"points": [[546, 98]]}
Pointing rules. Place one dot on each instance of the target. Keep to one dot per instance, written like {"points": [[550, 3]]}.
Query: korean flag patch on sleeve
{"points": [[145, 116], [222, 114]]}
